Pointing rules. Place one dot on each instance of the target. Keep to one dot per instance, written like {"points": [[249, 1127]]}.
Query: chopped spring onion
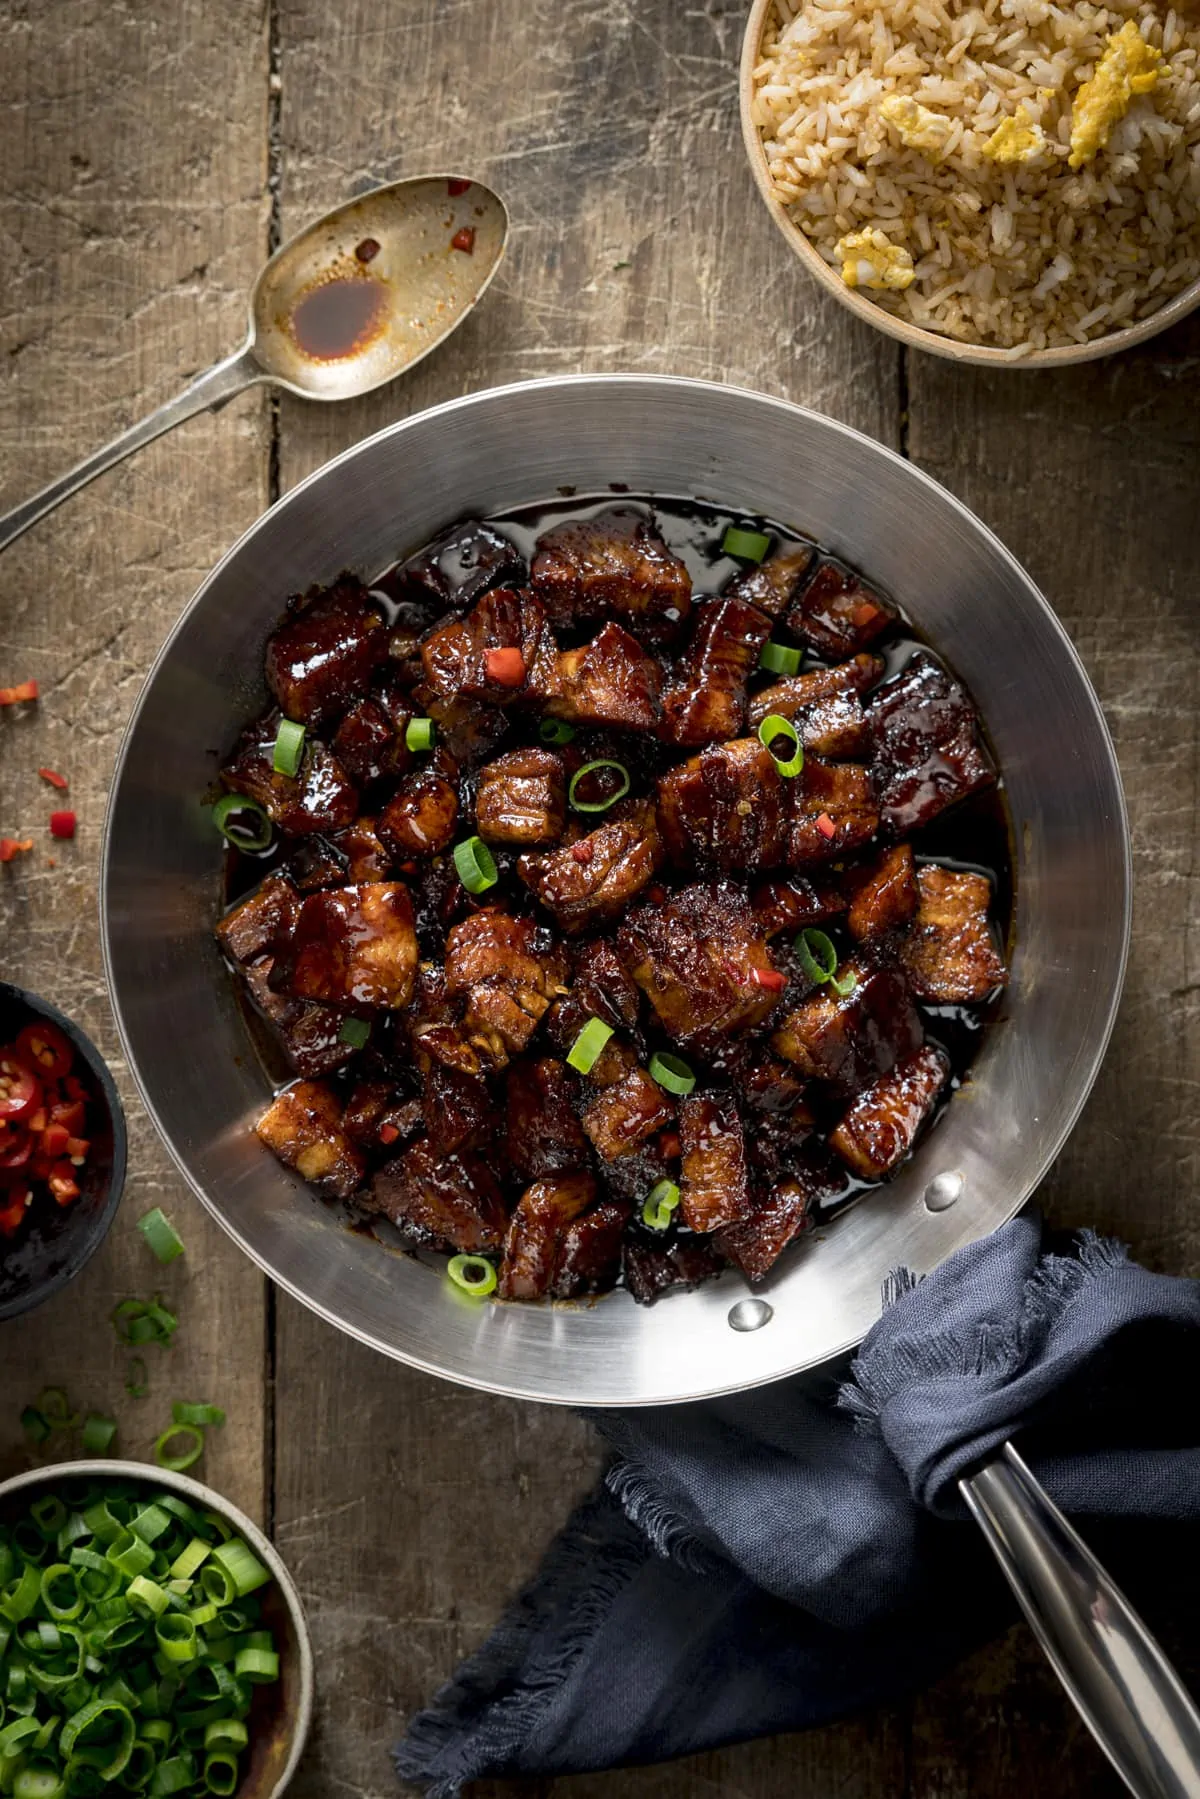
{"points": [[474, 1274], [242, 821], [242, 1566], [203, 1415], [585, 1051], [179, 1459], [161, 1235], [136, 1384], [419, 734], [818, 958], [289, 748], [221, 1773], [661, 1201], [355, 1032], [843, 984], [98, 1433], [601, 805], [780, 658], [475, 864], [555, 730], [138, 1321], [672, 1073], [772, 728], [747, 546], [35, 1426]]}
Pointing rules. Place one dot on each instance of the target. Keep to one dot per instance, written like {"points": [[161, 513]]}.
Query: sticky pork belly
{"points": [[706, 700], [303, 1127], [699, 958], [534, 1240], [320, 658], [610, 681], [522, 798], [838, 614], [878, 1129], [615, 565], [927, 748], [589, 882], [319, 797], [351, 946], [949, 953], [825, 706]]}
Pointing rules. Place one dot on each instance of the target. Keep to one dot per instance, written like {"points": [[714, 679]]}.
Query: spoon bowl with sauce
{"points": [[353, 301]]}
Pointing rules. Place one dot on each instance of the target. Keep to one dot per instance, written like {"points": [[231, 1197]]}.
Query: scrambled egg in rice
{"points": [[1129, 66], [870, 260]]}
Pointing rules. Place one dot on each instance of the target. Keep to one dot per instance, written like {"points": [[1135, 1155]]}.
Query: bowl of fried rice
{"points": [[1004, 181]]}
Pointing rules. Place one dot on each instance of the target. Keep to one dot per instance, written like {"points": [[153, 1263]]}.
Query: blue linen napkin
{"points": [[779, 1558]]}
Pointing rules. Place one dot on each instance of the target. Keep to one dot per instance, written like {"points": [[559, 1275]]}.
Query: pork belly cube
{"points": [[258, 924], [460, 656], [522, 798], [725, 809], [457, 1108], [600, 988], [714, 1188], [376, 1107], [510, 970], [706, 699], [352, 946], [834, 812], [884, 896], [543, 1135], [696, 959], [949, 954], [927, 749], [825, 706], [838, 614], [623, 1115], [777, 1218], [612, 566], [316, 861], [309, 1034], [458, 567], [319, 660], [850, 1039], [589, 1254], [366, 858], [536, 1231], [420, 817], [790, 905], [303, 1127], [369, 743], [468, 730], [610, 681], [762, 1082], [588, 882], [319, 797], [435, 1025], [882, 1123], [774, 584], [451, 1200], [651, 1269]]}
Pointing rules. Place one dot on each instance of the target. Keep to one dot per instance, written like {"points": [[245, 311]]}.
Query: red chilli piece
{"points": [[826, 825], [582, 851], [505, 667], [464, 240], [18, 695], [456, 186], [388, 1133], [14, 846], [54, 778], [62, 824], [770, 978], [865, 614]]}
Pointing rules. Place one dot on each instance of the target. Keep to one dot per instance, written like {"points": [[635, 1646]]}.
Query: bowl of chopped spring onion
{"points": [[151, 1640]]}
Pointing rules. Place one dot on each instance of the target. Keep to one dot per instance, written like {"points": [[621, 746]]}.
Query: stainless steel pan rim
{"points": [[996, 1140]]}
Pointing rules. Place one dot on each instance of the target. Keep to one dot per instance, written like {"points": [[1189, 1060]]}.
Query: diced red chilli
{"points": [[14, 846], [505, 667], [456, 186], [864, 614], [582, 852], [16, 696], [62, 824], [464, 240], [54, 778], [388, 1133], [770, 978], [826, 825]]}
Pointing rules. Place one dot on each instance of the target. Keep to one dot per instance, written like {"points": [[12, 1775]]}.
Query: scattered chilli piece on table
{"points": [[44, 1146]]}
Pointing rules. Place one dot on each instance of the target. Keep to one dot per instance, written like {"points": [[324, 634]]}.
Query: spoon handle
{"points": [[213, 388]]}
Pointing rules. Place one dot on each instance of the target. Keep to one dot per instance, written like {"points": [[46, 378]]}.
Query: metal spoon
{"points": [[346, 306]]}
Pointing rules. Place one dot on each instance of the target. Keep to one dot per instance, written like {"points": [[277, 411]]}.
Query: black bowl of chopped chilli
{"points": [[62, 1150], [617, 888]]}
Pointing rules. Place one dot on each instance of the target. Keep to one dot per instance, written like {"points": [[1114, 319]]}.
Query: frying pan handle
{"points": [[1126, 1690]]}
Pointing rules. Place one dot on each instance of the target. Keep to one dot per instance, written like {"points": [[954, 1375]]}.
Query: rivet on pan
{"points": [[943, 1190], [750, 1314]]}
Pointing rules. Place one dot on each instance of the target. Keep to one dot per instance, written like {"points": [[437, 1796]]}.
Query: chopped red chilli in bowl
{"points": [[43, 1118]]}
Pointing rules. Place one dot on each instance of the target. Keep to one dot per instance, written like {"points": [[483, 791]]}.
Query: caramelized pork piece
{"points": [[522, 798], [600, 988], [761, 1081], [881, 1125], [610, 681], [612, 566], [351, 946], [320, 659], [774, 1142], [319, 797], [838, 614], [543, 1135], [310, 1034], [589, 1254], [774, 584], [420, 817], [651, 1269], [303, 1127], [698, 959], [825, 706], [500, 652], [588, 882], [706, 700], [623, 1115], [714, 1188], [536, 1232], [450, 1200], [510, 970], [949, 954], [466, 729], [378, 1115], [725, 809], [850, 1039], [834, 811], [927, 749], [316, 862], [258, 924], [458, 567], [435, 1026], [366, 858], [777, 1218], [456, 1107], [790, 905], [885, 896], [369, 743]]}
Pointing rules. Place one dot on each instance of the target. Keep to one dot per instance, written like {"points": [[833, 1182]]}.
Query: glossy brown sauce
{"points": [[340, 317]]}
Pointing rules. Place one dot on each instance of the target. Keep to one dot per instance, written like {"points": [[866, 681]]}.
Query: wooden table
{"points": [[150, 156]]}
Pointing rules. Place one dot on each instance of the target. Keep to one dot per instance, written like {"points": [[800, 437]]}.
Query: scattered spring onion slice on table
{"points": [[288, 753], [419, 734], [780, 658], [474, 1274], [661, 1201], [672, 1073], [139, 1321], [475, 864], [772, 728], [136, 1384], [747, 546], [242, 822], [117, 1669], [556, 730], [600, 805], [355, 1032], [161, 1235], [189, 1447], [585, 1051], [97, 1434], [202, 1415]]}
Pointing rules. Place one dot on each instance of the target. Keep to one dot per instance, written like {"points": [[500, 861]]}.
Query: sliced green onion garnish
{"points": [[770, 731], [147, 1594], [474, 1274], [818, 958], [138, 1321], [590, 768], [49, 1514], [242, 1566], [585, 1051], [843, 984], [747, 546], [419, 734], [192, 1448], [172, 1776], [136, 1384], [780, 658], [256, 1665], [242, 821], [555, 730], [661, 1201], [475, 864], [35, 1425], [289, 748], [221, 1773], [175, 1635], [161, 1235], [672, 1073], [181, 1413], [97, 1434], [355, 1031]]}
